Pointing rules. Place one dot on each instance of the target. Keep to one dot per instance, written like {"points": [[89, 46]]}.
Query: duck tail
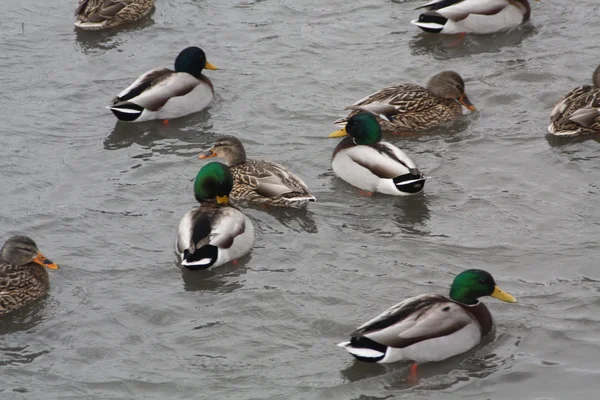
{"points": [[126, 111], [430, 21], [202, 258], [364, 349], [413, 182]]}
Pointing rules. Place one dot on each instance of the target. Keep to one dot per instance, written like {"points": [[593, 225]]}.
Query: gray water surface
{"points": [[103, 200]]}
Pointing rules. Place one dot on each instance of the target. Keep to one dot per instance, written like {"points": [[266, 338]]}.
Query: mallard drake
{"points": [[93, 15], [215, 232], [472, 16], [366, 162], [410, 107], [579, 111], [259, 181], [23, 275], [165, 94], [430, 327]]}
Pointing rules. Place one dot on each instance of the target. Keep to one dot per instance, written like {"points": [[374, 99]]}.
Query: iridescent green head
{"points": [[213, 182], [192, 60], [471, 284], [363, 127]]}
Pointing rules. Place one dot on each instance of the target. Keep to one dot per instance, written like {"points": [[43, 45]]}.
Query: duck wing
{"points": [[153, 89], [270, 179], [458, 10], [414, 320]]}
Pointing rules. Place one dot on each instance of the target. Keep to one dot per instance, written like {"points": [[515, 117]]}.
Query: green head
{"points": [[472, 284], [363, 127], [192, 60], [213, 182]]}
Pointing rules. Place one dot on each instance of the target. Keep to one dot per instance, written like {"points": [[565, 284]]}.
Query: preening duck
{"points": [[259, 181], [94, 15], [472, 16], [366, 162], [430, 327], [578, 113], [23, 275], [410, 107], [215, 232], [164, 93]]}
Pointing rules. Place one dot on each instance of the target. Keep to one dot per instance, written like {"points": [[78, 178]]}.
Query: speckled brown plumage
{"points": [[103, 14], [578, 113], [259, 181], [410, 107], [23, 278]]}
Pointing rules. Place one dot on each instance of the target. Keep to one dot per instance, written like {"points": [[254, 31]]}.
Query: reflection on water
{"points": [[412, 212], [444, 47], [25, 318], [224, 278], [91, 42], [557, 141], [195, 128]]}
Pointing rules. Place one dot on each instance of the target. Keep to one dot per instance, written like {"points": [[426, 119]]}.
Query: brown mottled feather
{"points": [[267, 182], [114, 12], [415, 108], [567, 116], [20, 285]]}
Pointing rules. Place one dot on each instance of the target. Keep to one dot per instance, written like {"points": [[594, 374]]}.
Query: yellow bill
{"points": [[44, 262], [222, 199], [210, 66], [502, 295], [340, 133]]}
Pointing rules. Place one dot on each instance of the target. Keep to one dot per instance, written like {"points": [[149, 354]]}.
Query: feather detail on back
{"points": [[210, 230], [406, 107], [268, 182], [103, 14], [577, 113]]}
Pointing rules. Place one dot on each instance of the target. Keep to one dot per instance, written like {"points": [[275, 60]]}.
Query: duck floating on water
{"points": [[165, 94], [23, 275]]}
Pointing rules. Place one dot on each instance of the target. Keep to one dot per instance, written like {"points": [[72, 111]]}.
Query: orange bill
{"points": [[464, 100], [43, 261], [207, 154]]}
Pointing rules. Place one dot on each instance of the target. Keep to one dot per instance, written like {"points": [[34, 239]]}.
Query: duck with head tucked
{"points": [[472, 16], [23, 275], [215, 232], [164, 94], [94, 15], [410, 107], [259, 181], [578, 113], [430, 327], [367, 163]]}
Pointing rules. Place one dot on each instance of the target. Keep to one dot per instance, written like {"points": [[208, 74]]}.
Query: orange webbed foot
{"points": [[412, 377], [365, 193]]}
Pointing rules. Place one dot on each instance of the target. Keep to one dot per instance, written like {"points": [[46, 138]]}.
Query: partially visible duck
{"points": [[215, 232], [410, 107], [164, 93], [472, 16], [23, 275], [94, 15], [578, 113], [367, 163], [259, 181]]}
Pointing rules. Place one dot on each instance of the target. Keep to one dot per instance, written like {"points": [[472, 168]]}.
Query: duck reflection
{"points": [[104, 40], [412, 213], [223, 279], [454, 46], [23, 319], [557, 141], [147, 133]]}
